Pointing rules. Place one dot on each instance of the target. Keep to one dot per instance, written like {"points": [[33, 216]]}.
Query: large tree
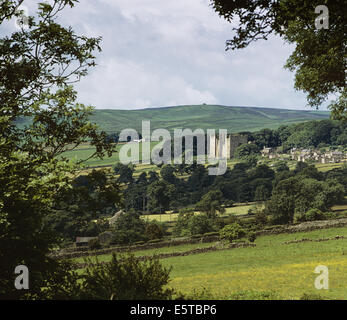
{"points": [[319, 58], [38, 65]]}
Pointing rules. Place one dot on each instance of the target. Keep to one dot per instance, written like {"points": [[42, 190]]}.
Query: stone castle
{"points": [[232, 142]]}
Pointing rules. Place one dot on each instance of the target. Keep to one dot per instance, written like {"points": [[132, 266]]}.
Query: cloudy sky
{"points": [[172, 52]]}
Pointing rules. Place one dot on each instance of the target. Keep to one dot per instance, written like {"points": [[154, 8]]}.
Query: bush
{"points": [[231, 219], [311, 296], [154, 231], [251, 236], [200, 224], [232, 232], [314, 214], [189, 224], [310, 215], [229, 203], [126, 278], [122, 237], [94, 244], [260, 218], [129, 229]]}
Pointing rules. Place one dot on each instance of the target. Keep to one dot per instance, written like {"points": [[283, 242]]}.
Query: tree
{"points": [[91, 196], [125, 172], [160, 194], [261, 193], [154, 230], [319, 57], [200, 224], [211, 203], [37, 69], [129, 228], [299, 194], [245, 150], [281, 166], [167, 172], [281, 206]]}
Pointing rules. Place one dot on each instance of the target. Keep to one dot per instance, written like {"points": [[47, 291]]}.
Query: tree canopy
{"points": [[38, 66], [319, 57]]}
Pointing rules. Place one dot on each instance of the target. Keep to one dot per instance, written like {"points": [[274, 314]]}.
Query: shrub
{"points": [[232, 232], [311, 296], [310, 215], [231, 219], [154, 231], [260, 218], [190, 224], [251, 236], [128, 229], [229, 203], [94, 244], [126, 278], [314, 214], [200, 224]]}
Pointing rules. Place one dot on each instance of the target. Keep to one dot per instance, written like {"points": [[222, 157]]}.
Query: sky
{"points": [[158, 53]]}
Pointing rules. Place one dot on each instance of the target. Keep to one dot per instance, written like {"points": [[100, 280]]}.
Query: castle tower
{"points": [[232, 142]]}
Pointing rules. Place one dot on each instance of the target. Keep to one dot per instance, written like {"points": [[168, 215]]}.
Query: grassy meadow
{"points": [[232, 118], [271, 270], [286, 270]]}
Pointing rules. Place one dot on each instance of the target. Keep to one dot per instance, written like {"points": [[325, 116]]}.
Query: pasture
{"points": [[284, 269], [271, 269]]}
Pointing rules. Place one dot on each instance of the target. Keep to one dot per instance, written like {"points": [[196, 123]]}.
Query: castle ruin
{"points": [[228, 150]]}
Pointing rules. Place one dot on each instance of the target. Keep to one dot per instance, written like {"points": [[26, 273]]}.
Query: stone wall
{"points": [[305, 226], [184, 253], [146, 246]]}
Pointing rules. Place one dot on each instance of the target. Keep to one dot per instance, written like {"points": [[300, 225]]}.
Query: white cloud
{"points": [[125, 84], [159, 53]]}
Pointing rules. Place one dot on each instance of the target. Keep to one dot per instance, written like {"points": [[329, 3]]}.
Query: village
{"points": [[304, 155]]}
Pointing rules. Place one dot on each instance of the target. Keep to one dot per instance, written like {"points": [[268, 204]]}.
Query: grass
{"points": [[269, 270], [240, 210], [167, 217], [271, 266], [234, 119], [323, 167], [86, 151], [148, 252]]}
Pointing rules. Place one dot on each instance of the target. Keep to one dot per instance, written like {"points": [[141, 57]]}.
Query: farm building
{"points": [[83, 241]]}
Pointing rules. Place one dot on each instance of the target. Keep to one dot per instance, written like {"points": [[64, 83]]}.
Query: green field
{"points": [[85, 151], [234, 119], [271, 269], [180, 248], [167, 217], [271, 266]]}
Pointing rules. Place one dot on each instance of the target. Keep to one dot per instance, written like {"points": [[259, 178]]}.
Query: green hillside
{"points": [[234, 119]]}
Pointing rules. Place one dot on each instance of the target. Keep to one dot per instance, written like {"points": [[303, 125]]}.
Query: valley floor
{"points": [[271, 270]]}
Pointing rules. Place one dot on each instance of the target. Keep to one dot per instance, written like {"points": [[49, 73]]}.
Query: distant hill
{"points": [[234, 119]]}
